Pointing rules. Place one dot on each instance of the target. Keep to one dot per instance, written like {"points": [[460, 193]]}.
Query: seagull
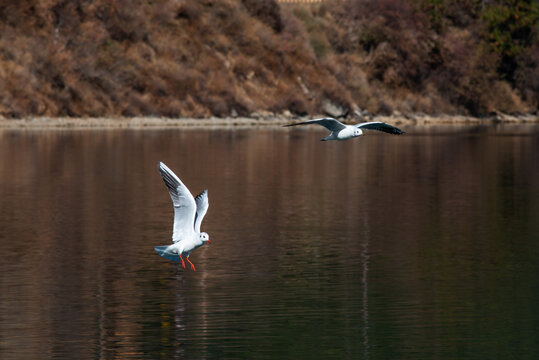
{"points": [[188, 215], [339, 131]]}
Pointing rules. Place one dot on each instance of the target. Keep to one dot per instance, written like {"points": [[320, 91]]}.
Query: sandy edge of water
{"points": [[161, 122]]}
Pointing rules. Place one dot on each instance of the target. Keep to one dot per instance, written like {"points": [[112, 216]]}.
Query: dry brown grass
{"points": [[206, 57]]}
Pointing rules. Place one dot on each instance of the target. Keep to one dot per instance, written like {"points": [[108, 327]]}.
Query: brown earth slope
{"points": [[198, 58]]}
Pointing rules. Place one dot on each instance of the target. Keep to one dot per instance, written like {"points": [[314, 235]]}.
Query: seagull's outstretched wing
{"points": [[380, 126], [202, 206], [329, 123], [184, 204]]}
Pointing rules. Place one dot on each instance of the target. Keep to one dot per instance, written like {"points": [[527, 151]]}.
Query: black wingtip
{"points": [[168, 177], [202, 193]]}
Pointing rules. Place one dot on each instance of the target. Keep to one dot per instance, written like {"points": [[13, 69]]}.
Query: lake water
{"points": [[421, 246]]}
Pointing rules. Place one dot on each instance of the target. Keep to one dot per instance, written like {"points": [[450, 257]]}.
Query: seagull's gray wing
{"points": [[202, 206], [380, 126], [329, 123], [184, 204]]}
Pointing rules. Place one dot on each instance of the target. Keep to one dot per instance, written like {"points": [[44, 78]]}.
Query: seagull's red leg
{"points": [[192, 265], [183, 263]]}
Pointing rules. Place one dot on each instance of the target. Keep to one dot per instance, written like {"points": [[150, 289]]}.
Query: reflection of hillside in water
{"points": [[319, 235]]}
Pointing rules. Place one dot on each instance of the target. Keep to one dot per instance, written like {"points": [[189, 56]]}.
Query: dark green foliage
{"points": [[511, 28], [435, 11]]}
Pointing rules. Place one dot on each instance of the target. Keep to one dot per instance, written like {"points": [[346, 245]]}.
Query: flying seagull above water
{"points": [[340, 131], [188, 215]]}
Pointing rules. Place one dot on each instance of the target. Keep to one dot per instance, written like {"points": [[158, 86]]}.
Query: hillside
{"points": [[200, 58]]}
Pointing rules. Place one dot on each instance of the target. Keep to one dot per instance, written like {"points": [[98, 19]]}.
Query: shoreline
{"points": [[262, 121]]}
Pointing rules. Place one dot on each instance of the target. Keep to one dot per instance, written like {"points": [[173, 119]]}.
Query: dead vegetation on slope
{"points": [[230, 57]]}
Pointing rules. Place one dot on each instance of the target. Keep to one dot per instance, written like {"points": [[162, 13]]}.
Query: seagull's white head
{"points": [[204, 237], [358, 132]]}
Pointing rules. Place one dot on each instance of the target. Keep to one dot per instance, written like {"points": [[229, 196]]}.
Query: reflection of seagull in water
{"points": [[188, 215], [339, 131]]}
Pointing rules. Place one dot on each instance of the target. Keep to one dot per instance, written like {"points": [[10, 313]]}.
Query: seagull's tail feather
{"points": [[162, 250]]}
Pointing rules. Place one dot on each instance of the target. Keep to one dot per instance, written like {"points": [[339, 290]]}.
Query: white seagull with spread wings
{"points": [[188, 215], [339, 131]]}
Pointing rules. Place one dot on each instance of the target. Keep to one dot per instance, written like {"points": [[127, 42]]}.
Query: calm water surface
{"points": [[422, 246]]}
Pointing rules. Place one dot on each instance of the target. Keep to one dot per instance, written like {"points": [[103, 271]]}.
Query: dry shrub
{"points": [[373, 33], [316, 28], [170, 107], [191, 108], [217, 105], [248, 44], [125, 20], [93, 34], [320, 44], [184, 82], [503, 98], [260, 65], [31, 14], [527, 75], [221, 96], [348, 72], [229, 18], [325, 86], [191, 11], [383, 58], [381, 104], [292, 25], [463, 13], [109, 53], [141, 53], [468, 78], [224, 102], [294, 41], [291, 99], [166, 13], [198, 58], [267, 11], [25, 67], [339, 39], [429, 101], [86, 102], [475, 89], [66, 16], [175, 79], [244, 67], [221, 43], [139, 104], [17, 91]]}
